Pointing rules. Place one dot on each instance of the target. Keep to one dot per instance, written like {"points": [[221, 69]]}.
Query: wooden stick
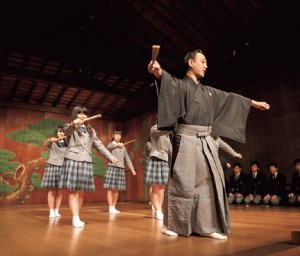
{"points": [[155, 50], [43, 142], [92, 117], [128, 142]]}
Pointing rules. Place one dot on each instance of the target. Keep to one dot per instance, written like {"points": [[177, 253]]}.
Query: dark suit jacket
{"points": [[295, 188], [277, 186], [239, 185], [257, 185]]}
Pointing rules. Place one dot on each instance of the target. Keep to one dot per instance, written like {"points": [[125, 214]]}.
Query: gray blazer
{"points": [[221, 144], [56, 154], [161, 146], [121, 155], [80, 145]]}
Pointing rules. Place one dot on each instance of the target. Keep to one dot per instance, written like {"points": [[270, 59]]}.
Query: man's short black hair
{"points": [[272, 164], [255, 163], [191, 55], [237, 164], [296, 161]]}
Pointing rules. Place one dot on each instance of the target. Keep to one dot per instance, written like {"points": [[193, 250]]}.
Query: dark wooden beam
{"points": [[60, 96], [77, 80], [45, 95]]}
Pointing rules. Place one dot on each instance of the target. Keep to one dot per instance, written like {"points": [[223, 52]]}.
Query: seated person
{"points": [[223, 146], [294, 196], [237, 185], [276, 186], [256, 185]]}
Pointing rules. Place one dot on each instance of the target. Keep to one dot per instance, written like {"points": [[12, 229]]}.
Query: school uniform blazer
{"points": [[221, 144], [257, 185], [148, 147], [121, 155], [277, 186], [295, 188], [80, 145], [56, 154], [161, 146], [239, 185]]}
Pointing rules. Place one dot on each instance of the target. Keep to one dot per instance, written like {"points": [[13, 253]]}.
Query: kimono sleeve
{"points": [[168, 102], [230, 115]]}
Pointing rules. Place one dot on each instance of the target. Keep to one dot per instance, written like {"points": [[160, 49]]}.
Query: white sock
{"points": [[76, 218], [57, 214], [159, 215], [76, 222], [52, 213], [112, 209], [159, 212]]}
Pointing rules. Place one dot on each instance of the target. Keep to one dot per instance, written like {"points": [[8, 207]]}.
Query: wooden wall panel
{"points": [[272, 135]]}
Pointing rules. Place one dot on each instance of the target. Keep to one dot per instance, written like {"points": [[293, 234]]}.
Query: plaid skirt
{"points": [[156, 171], [77, 175], [52, 176], [115, 178]]}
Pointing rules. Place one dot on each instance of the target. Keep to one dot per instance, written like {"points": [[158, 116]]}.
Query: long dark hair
{"points": [[60, 128], [57, 129], [74, 115]]}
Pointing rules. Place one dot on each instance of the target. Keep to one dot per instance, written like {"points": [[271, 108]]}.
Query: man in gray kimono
{"points": [[195, 198]]}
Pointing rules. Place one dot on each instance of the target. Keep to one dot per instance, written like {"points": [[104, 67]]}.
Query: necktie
{"points": [[236, 177], [60, 143], [254, 176], [82, 129]]}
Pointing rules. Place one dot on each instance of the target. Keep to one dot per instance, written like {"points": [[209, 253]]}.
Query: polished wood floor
{"points": [[27, 230]]}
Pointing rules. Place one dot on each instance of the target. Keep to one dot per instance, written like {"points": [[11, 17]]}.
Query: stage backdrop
{"points": [[23, 157]]}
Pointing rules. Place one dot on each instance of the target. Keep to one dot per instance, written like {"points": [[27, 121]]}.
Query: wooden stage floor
{"points": [[27, 230]]}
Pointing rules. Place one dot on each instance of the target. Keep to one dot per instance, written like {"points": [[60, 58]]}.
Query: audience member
{"points": [[294, 196], [256, 185], [237, 185], [276, 186]]}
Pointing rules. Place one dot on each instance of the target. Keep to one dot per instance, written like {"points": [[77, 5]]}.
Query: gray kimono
{"points": [[195, 198]]}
